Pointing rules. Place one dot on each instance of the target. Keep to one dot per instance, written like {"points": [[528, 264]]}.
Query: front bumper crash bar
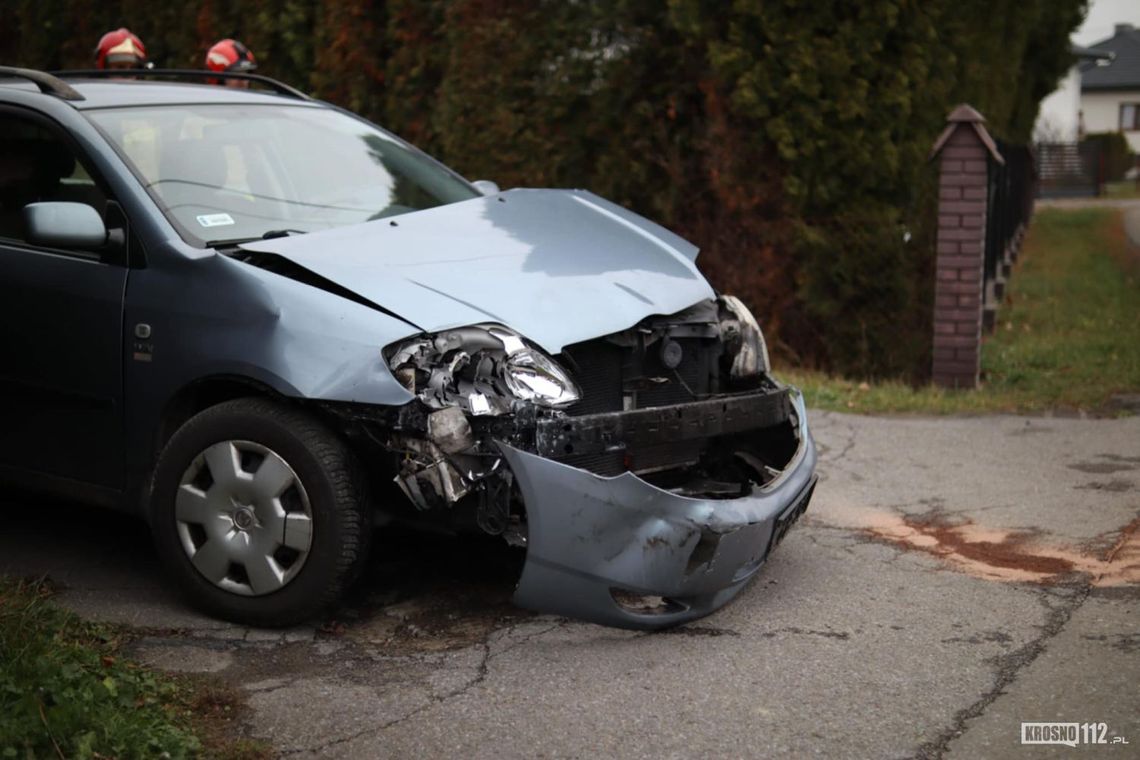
{"points": [[617, 431]]}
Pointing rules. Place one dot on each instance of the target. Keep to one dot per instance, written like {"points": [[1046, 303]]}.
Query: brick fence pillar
{"points": [[963, 148]]}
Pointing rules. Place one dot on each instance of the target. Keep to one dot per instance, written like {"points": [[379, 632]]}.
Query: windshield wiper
{"points": [[270, 235], [281, 233]]}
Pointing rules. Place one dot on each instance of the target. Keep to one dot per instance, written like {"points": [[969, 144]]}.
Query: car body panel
{"points": [[557, 266], [61, 385], [218, 318], [589, 534], [233, 316]]}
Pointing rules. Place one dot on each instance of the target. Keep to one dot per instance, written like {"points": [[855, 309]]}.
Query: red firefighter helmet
{"points": [[230, 55], [119, 49]]}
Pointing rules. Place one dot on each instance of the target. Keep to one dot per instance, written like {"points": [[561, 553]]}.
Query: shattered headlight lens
{"points": [[481, 369], [741, 330], [531, 376]]}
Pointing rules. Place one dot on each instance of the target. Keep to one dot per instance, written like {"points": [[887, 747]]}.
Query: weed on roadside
{"points": [[66, 691]]}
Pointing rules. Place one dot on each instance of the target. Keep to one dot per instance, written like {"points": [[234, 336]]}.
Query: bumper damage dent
{"points": [[599, 547]]}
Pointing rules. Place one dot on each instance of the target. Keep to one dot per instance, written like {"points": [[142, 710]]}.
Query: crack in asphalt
{"points": [[212, 645], [481, 671], [1008, 668], [842, 635], [562, 623], [1125, 642], [696, 631], [847, 446], [480, 675], [854, 533], [847, 547], [981, 637], [828, 424], [715, 632], [286, 683]]}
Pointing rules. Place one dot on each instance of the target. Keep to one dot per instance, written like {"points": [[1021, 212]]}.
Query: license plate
{"points": [[785, 521]]}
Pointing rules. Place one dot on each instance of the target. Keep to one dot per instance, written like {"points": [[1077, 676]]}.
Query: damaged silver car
{"points": [[294, 327]]}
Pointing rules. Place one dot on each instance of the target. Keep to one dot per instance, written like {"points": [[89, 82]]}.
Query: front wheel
{"points": [[258, 511]]}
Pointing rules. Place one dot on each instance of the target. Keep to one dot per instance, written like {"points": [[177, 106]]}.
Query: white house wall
{"points": [[1102, 113]]}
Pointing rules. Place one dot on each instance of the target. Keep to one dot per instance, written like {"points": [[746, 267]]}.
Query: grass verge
{"points": [[66, 692], [1068, 334], [1123, 189]]}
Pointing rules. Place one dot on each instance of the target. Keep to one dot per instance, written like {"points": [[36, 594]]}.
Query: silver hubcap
{"points": [[244, 518]]}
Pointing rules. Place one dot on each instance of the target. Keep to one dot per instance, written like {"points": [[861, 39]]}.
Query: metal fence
{"points": [[1009, 205], [1069, 169]]}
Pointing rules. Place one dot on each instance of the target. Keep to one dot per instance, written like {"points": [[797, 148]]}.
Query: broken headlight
{"points": [[481, 369], [741, 334], [532, 376]]}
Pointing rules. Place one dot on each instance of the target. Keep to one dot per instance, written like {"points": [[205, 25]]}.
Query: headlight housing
{"points": [[742, 334], [531, 376], [482, 369]]}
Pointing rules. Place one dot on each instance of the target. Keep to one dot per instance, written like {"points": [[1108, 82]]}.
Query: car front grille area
{"points": [[607, 373]]}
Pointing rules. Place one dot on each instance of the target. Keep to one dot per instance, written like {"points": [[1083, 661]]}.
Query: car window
{"points": [[37, 165], [225, 172]]}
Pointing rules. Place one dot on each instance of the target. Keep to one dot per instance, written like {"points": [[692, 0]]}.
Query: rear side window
{"points": [[37, 165]]}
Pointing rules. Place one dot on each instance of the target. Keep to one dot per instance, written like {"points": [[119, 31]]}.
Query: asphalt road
{"points": [[952, 579]]}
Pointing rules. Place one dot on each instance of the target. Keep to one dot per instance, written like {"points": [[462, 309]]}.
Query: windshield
{"points": [[225, 172]]}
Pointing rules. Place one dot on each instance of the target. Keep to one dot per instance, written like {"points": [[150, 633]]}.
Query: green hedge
{"points": [[788, 139]]}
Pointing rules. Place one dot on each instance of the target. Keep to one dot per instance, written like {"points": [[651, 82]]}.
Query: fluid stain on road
{"points": [[1010, 556]]}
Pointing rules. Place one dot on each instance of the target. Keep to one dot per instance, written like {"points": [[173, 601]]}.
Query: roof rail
{"points": [[46, 82], [192, 74]]}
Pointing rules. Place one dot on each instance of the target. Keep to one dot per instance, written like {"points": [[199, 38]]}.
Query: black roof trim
{"points": [[1095, 87], [181, 74], [46, 82], [1091, 53]]}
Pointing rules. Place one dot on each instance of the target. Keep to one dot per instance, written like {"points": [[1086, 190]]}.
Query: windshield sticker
{"points": [[215, 220]]}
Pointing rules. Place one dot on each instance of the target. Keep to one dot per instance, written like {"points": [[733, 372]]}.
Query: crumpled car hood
{"points": [[557, 266]]}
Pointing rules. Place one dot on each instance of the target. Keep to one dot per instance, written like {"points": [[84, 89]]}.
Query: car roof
{"points": [[121, 93]]}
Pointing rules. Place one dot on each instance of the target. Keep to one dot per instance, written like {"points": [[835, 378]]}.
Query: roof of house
{"points": [[1085, 53], [1122, 72]]}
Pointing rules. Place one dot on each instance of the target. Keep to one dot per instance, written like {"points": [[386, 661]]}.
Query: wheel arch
{"points": [[203, 393]]}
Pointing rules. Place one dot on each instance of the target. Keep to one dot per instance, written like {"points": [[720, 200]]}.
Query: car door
{"points": [[61, 321]]}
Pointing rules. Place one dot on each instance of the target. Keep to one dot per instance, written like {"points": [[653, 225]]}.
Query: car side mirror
{"points": [[64, 225], [486, 186]]}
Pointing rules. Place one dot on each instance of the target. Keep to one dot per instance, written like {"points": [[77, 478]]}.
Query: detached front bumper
{"points": [[594, 542]]}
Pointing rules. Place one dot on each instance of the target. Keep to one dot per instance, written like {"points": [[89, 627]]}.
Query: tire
{"points": [[244, 477]]}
